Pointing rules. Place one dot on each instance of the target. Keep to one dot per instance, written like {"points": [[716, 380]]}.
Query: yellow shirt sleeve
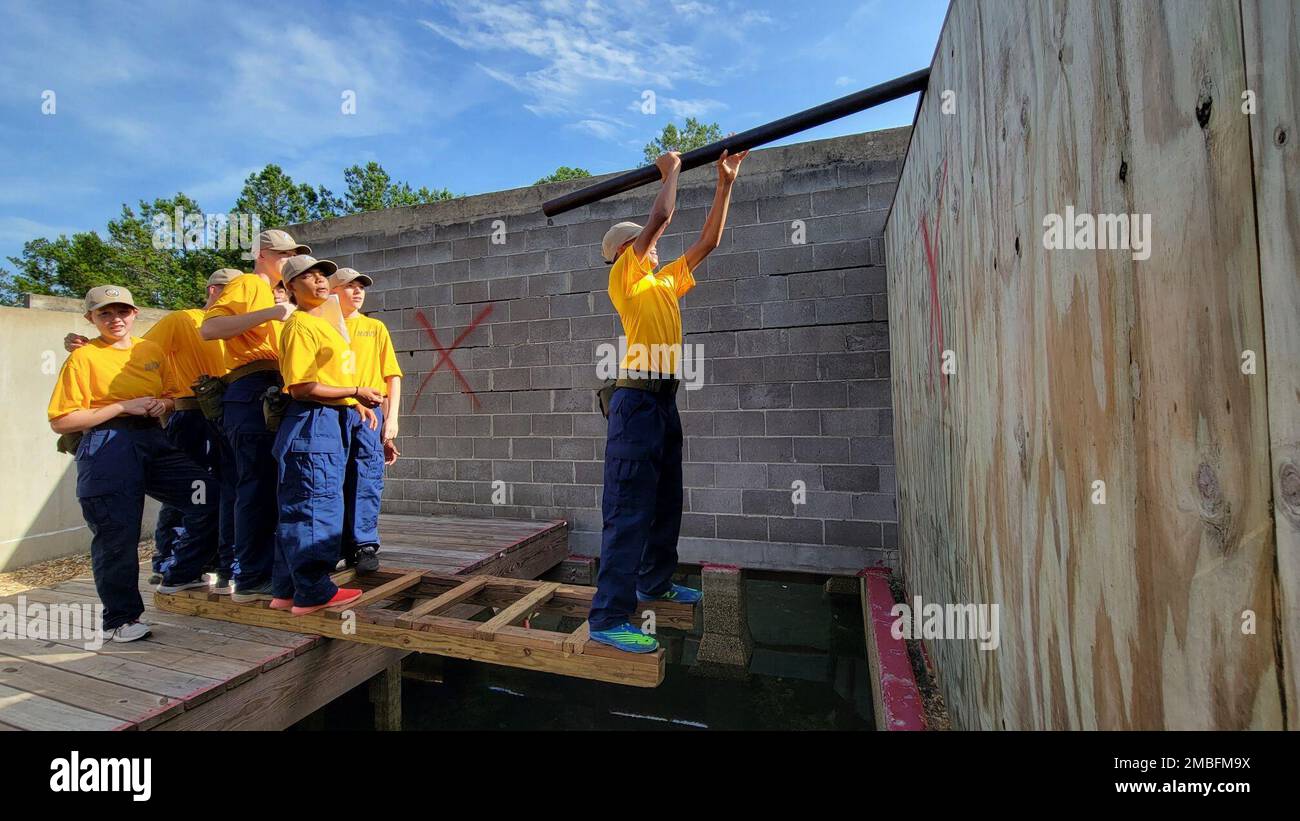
{"points": [[236, 298], [388, 357], [164, 334], [72, 390], [298, 348], [680, 271]]}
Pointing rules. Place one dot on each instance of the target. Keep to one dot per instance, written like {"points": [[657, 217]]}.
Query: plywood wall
{"points": [[1272, 41], [1075, 368]]}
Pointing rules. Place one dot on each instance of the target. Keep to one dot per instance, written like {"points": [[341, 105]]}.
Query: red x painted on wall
{"points": [[446, 355], [936, 309]]}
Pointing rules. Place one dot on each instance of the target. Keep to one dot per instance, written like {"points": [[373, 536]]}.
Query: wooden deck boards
{"points": [[200, 673]]}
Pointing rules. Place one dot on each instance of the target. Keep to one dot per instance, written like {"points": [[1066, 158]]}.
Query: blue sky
{"points": [[158, 97]]}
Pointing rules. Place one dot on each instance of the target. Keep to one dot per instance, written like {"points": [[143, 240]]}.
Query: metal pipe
{"points": [[761, 135]]}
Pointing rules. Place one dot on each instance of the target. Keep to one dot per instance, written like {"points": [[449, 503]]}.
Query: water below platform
{"points": [[808, 672]]}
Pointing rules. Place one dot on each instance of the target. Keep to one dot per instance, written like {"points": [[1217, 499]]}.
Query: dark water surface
{"points": [[808, 672]]}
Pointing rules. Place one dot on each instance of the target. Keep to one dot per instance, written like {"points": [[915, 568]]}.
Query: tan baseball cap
{"points": [[301, 264], [108, 295], [345, 275], [224, 276], [278, 240], [616, 236]]}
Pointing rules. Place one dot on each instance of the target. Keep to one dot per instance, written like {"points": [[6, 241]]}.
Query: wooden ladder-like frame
{"points": [[433, 613]]}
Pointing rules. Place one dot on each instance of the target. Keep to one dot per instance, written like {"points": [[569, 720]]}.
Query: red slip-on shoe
{"points": [[281, 604], [343, 596]]}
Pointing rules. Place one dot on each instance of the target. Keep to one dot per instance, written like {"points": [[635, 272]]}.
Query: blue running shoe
{"points": [[676, 593], [627, 638]]}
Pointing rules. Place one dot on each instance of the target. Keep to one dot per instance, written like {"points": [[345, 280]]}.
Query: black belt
{"points": [[185, 403], [656, 385]]}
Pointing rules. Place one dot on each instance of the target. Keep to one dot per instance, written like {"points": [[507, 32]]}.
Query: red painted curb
{"points": [[899, 696], [707, 567]]}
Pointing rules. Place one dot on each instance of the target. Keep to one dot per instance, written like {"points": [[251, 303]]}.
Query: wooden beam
{"points": [[614, 666], [517, 611], [430, 607], [577, 640], [386, 696], [374, 594]]}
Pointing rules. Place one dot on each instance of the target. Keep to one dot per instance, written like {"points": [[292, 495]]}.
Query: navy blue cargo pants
{"points": [[250, 442], [642, 504], [311, 447], [117, 465], [201, 440]]}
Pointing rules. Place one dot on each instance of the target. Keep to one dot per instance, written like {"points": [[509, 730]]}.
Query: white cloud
{"points": [[14, 231], [560, 54]]}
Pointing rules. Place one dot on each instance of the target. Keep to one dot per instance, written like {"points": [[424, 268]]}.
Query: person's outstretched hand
{"points": [[668, 162], [729, 165]]}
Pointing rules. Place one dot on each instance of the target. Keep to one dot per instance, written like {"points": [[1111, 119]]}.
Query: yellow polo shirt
{"points": [[189, 355], [97, 375], [647, 306], [372, 350], [244, 295], [311, 350]]}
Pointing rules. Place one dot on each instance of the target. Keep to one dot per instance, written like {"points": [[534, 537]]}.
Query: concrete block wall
{"points": [[794, 339]]}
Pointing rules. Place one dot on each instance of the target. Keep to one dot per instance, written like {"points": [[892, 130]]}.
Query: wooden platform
{"points": [[200, 673], [435, 613]]}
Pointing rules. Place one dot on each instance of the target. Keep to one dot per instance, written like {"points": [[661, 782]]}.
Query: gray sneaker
{"points": [[223, 587], [131, 631], [195, 584], [249, 595], [367, 560]]}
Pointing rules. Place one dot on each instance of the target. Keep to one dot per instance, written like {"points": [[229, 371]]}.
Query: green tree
{"points": [[694, 135], [370, 188], [157, 270], [564, 172], [145, 251], [276, 199]]}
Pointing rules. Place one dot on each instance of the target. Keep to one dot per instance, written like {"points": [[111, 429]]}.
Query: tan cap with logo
{"points": [[345, 275], [616, 236], [301, 264], [278, 240], [224, 276], [108, 295]]}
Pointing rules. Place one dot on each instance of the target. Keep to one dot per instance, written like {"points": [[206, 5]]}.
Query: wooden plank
{"points": [[577, 641], [290, 692], [373, 595], [430, 607], [526, 637], [1081, 366], [638, 670], [273, 638], [88, 693], [1272, 36], [32, 712], [122, 666], [516, 612]]}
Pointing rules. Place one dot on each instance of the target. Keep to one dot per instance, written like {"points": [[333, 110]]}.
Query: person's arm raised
{"points": [[711, 235], [661, 213]]}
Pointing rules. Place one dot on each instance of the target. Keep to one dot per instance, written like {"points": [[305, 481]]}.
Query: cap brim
{"points": [[324, 266], [107, 302], [298, 250]]}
